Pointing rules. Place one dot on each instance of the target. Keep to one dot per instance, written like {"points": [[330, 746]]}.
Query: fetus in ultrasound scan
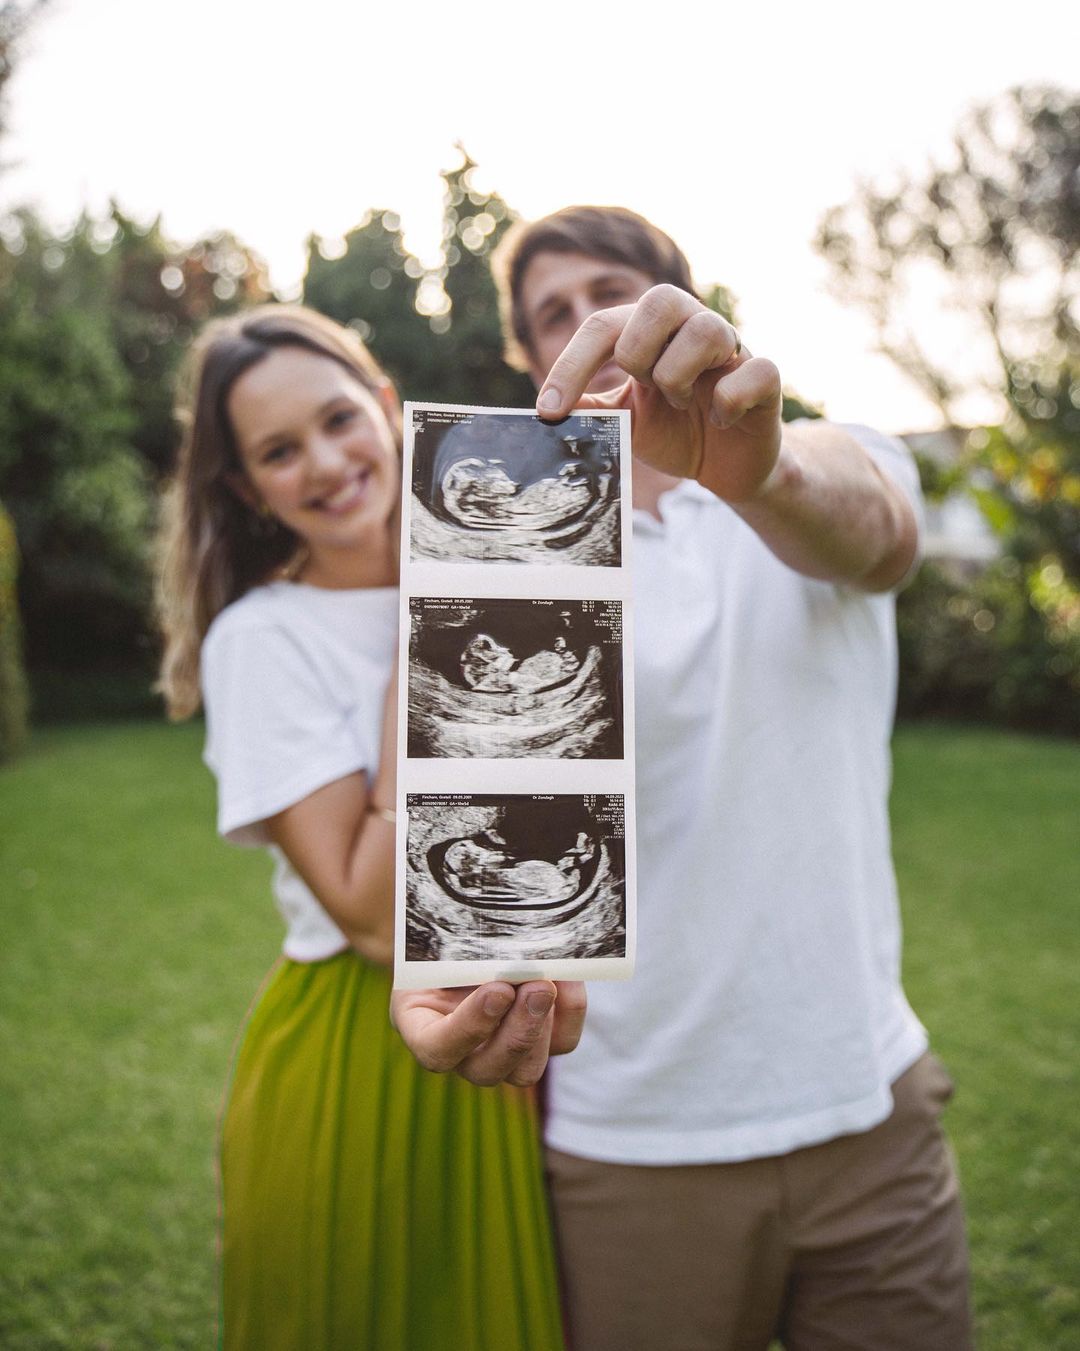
{"points": [[514, 878], [510, 488], [512, 678]]}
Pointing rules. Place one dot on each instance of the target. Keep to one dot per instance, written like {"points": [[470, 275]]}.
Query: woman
{"points": [[366, 1202]]}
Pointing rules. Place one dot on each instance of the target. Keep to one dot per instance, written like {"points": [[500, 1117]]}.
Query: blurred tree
{"points": [[436, 331], [369, 282], [159, 295], [92, 325], [469, 332], [994, 235], [75, 487], [15, 19], [997, 228]]}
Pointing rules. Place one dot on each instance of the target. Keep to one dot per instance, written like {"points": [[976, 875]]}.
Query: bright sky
{"points": [[734, 132]]}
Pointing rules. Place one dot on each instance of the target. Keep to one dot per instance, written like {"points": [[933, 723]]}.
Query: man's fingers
{"points": [[441, 1040], [668, 338], [754, 384], [493, 1034], [706, 341], [570, 1009], [533, 1063], [589, 349], [656, 320], [520, 1040]]}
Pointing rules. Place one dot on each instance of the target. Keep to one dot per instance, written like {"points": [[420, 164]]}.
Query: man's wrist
{"points": [[781, 483], [778, 485]]}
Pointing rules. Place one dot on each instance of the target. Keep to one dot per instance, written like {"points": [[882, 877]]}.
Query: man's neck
{"points": [[649, 485]]}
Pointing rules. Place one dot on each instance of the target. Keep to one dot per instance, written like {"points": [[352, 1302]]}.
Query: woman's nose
{"points": [[325, 455]]}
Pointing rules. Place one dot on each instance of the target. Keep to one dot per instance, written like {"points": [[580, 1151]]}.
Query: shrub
{"points": [[1001, 644]]}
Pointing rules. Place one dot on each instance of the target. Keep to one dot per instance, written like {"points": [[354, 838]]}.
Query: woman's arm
{"points": [[344, 851]]}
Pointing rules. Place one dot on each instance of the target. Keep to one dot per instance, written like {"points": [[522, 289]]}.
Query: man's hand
{"points": [[492, 1033], [702, 406]]}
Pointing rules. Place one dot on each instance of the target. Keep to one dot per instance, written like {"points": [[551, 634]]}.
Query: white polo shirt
{"points": [[766, 1012]]}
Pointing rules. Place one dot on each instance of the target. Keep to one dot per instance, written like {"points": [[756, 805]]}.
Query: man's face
{"points": [[558, 293]]}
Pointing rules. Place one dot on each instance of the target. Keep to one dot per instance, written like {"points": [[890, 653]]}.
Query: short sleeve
{"points": [[893, 458], [274, 732]]}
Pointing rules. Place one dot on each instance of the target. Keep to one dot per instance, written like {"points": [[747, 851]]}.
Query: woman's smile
{"points": [[346, 498]]}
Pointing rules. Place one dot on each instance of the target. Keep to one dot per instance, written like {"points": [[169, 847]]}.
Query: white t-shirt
{"points": [[294, 679], [766, 1011]]}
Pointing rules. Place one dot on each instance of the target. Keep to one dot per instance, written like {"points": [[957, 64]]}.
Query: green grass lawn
{"points": [[132, 942]]}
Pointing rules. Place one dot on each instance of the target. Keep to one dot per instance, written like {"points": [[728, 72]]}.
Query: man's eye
{"points": [[553, 318]]}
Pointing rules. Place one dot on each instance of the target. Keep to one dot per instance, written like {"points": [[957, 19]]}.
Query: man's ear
{"points": [[240, 486]]}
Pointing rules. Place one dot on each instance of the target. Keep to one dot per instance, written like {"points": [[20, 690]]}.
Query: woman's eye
{"points": [[341, 417], [277, 454]]}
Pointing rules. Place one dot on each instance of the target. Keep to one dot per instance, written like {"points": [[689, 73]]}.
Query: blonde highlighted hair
{"points": [[213, 546]]}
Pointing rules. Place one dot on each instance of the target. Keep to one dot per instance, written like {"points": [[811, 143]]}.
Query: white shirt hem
{"points": [[755, 1140], [298, 952]]}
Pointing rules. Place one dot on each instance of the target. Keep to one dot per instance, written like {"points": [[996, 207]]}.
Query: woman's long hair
{"points": [[214, 547]]}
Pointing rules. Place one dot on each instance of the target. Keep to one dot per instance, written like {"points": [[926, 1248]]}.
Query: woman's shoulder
{"points": [[262, 606], [295, 624], [258, 631]]}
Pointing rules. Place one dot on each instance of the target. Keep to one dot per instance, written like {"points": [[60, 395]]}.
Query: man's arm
{"points": [[704, 408], [829, 512]]}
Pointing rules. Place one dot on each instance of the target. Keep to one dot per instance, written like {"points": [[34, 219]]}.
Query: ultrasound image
{"points": [[515, 678], [510, 488], [515, 878]]}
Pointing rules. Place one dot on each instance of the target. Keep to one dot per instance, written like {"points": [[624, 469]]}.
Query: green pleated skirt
{"points": [[368, 1205]]}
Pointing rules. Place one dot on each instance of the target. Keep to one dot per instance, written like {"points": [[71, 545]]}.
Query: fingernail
{"points": [[550, 401], [539, 1002], [718, 421], [496, 1004]]}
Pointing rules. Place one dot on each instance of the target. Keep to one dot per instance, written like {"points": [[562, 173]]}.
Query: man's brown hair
{"points": [[609, 232]]}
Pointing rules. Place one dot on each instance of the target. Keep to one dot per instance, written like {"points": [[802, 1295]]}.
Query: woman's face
{"points": [[317, 451]]}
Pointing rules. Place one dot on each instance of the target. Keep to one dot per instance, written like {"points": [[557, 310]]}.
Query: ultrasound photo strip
{"points": [[515, 831]]}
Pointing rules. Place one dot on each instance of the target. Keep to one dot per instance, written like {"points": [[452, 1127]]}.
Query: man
{"points": [[746, 1143]]}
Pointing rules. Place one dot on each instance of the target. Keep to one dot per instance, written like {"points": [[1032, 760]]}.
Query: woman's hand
{"points": [[493, 1033]]}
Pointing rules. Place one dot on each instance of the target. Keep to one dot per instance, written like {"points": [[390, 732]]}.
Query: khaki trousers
{"points": [[857, 1244]]}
